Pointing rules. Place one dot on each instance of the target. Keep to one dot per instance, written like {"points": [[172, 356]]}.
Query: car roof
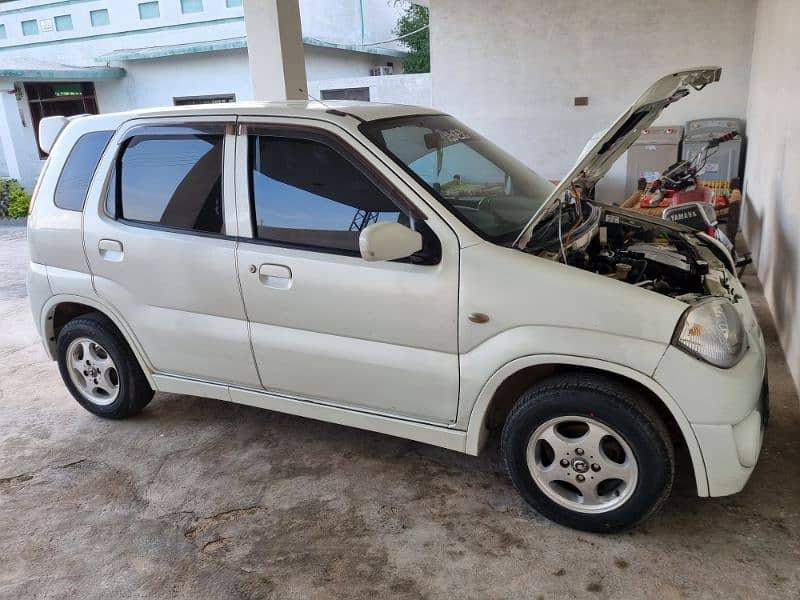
{"points": [[367, 111]]}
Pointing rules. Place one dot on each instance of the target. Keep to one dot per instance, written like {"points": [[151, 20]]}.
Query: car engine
{"points": [[611, 243]]}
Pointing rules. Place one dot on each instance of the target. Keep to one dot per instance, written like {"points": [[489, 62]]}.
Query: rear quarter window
{"points": [[73, 183]]}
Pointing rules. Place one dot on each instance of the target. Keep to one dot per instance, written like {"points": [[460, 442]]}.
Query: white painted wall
{"points": [[156, 82], [772, 177], [511, 68], [330, 63], [10, 129], [16, 136], [396, 89], [340, 20], [83, 43], [334, 21]]}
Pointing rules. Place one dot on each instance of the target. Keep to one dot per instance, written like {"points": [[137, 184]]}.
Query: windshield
{"points": [[481, 184]]}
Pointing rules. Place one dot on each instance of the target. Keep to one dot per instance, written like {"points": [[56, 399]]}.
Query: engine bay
{"points": [[610, 243]]}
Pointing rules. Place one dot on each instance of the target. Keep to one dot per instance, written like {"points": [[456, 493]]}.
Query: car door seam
{"points": [[236, 244]]}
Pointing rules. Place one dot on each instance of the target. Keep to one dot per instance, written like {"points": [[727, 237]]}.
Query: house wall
{"points": [[772, 177], [330, 63], [16, 137], [327, 21], [511, 68], [158, 81], [154, 82]]}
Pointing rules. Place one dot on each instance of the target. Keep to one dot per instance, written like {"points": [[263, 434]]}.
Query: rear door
{"points": [[161, 241], [327, 326]]}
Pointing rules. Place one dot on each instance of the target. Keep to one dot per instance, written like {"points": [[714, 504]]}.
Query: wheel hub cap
{"points": [[582, 464], [92, 371]]}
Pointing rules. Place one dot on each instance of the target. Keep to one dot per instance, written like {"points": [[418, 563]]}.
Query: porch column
{"points": [[9, 125], [275, 49]]}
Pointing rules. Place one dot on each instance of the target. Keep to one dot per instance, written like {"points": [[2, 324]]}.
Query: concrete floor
{"points": [[198, 498]]}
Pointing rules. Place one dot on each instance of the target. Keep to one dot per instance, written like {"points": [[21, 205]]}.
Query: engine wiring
{"points": [[560, 239]]}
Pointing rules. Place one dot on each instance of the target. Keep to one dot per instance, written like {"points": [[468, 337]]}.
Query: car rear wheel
{"points": [[588, 452], [99, 369]]}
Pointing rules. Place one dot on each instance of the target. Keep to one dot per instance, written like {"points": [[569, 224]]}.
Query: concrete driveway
{"points": [[198, 498]]}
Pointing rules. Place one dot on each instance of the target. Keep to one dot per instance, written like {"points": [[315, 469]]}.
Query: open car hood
{"points": [[605, 148]]}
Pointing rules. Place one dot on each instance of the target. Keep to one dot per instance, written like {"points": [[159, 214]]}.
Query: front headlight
{"points": [[713, 331]]}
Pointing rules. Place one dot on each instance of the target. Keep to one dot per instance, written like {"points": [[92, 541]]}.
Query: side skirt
{"points": [[420, 432]]}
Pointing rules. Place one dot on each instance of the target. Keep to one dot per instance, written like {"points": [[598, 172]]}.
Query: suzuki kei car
{"points": [[388, 268]]}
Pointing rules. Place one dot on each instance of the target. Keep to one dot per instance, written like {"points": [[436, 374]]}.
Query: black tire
{"points": [[613, 404], [134, 391]]}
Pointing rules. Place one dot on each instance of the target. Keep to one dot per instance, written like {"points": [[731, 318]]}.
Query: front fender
{"points": [[476, 425]]}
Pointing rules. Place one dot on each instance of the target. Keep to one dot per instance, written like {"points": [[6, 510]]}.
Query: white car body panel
{"points": [[383, 335], [186, 310], [391, 344]]}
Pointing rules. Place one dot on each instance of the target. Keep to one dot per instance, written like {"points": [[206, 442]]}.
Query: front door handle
{"points": [[275, 276], [110, 250]]}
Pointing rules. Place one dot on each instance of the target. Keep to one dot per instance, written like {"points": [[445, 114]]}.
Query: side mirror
{"points": [[388, 241]]}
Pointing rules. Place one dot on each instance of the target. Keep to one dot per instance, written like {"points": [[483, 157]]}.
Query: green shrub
{"points": [[412, 25], [14, 201]]}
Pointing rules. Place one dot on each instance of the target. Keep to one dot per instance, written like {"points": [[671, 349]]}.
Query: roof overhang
{"points": [[173, 50], [61, 72], [228, 44]]}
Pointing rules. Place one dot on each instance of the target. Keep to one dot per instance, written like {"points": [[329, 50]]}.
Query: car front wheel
{"points": [[588, 452]]}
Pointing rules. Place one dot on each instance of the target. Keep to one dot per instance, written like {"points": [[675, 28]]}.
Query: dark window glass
{"points": [[175, 181], [306, 193], [214, 99], [73, 183], [346, 94], [65, 99]]}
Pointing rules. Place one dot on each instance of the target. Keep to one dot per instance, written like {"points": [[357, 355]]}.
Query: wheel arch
{"points": [[61, 309], [507, 384]]}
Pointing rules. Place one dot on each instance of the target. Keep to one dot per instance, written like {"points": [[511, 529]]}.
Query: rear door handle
{"points": [[275, 276], [110, 250]]}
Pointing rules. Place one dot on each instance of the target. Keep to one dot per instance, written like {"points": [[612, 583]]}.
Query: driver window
{"points": [[305, 193]]}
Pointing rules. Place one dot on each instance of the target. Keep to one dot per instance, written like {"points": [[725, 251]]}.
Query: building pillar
{"points": [[8, 114], [275, 49]]}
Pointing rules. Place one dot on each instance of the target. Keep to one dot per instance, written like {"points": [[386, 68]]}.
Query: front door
{"points": [[162, 249], [326, 325]]}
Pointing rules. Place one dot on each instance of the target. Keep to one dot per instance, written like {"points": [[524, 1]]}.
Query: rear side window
{"points": [[171, 180], [73, 183], [306, 193]]}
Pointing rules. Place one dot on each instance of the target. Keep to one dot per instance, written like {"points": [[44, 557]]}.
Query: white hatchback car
{"points": [[386, 267]]}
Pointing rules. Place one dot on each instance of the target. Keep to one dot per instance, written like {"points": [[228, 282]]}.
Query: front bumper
{"points": [[730, 452], [727, 409]]}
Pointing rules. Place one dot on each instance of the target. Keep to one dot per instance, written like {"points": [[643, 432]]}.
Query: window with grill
{"points": [[63, 98], [30, 27], [149, 10], [191, 6], [63, 22], [99, 18]]}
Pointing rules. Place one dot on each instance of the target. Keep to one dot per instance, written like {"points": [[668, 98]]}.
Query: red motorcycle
{"points": [[685, 200]]}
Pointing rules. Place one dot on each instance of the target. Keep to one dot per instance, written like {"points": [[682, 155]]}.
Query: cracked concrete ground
{"points": [[198, 498]]}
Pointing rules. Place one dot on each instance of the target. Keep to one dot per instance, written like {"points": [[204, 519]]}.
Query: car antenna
{"points": [[330, 109], [314, 98]]}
